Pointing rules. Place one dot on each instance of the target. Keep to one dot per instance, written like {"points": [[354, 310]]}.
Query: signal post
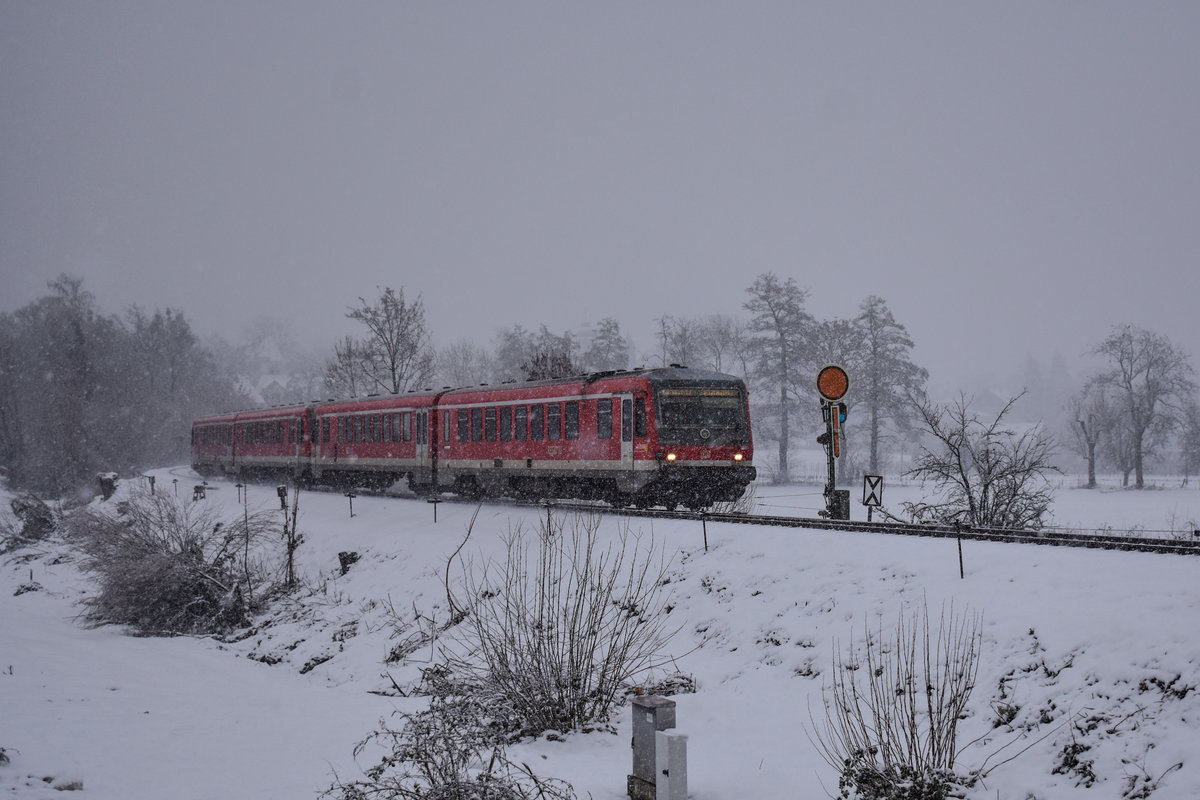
{"points": [[833, 383]]}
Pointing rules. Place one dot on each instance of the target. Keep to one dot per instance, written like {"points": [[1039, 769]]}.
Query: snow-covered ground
{"points": [[1094, 653]]}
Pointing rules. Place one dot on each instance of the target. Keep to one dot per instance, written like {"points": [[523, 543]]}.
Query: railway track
{"points": [[1094, 540]]}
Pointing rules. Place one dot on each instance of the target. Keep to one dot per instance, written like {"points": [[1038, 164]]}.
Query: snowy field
{"points": [[1093, 657]]}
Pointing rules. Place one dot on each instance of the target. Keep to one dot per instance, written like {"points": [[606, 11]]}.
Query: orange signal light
{"points": [[833, 382]]}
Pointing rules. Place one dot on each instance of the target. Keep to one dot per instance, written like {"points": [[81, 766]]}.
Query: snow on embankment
{"points": [[1092, 656]]}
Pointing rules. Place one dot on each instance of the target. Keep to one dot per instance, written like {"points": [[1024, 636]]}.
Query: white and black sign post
{"points": [[872, 493]]}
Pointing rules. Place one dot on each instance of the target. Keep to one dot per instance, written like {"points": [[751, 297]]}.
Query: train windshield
{"points": [[706, 415]]}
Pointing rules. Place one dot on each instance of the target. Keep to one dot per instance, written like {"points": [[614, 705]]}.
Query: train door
{"points": [[422, 437], [627, 431]]}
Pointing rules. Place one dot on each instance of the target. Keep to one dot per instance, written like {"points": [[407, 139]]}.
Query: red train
{"points": [[672, 436]]}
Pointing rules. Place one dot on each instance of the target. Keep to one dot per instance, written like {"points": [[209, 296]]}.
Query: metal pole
{"points": [[958, 530], [827, 411]]}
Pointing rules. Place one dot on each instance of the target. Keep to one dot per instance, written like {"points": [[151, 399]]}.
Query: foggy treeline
{"points": [[82, 392]]}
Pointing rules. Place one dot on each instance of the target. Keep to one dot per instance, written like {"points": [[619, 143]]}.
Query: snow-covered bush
{"points": [[31, 520], [170, 566], [892, 710], [558, 629], [453, 750]]}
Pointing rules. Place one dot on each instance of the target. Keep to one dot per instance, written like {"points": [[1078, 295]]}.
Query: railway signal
{"points": [[833, 382]]}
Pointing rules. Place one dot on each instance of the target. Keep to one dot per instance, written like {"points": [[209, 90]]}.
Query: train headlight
{"points": [[671, 456], [737, 456]]}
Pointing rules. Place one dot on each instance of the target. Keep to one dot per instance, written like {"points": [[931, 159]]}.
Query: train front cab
{"points": [[701, 439]]}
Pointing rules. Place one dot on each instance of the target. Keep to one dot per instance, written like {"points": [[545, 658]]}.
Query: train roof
{"points": [[656, 376], [672, 374]]}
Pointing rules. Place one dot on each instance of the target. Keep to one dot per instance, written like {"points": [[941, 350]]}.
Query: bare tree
{"points": [[722, 344], [463, 363], [348, 372], [1152, 379], [533, 356], [1091, 417], [399, 355], [989, 475], [1190, 441], [546, 364], [780, 329], [553, 356]]}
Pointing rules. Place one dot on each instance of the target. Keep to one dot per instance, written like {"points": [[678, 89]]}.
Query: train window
{"points": [[325, 431], [604, 418], [536, 426], [389, 425], [553, 421], [521, 417], [406, 426], [464, 425], [341, 429], [376, 423], [445, 426], [476, 424], [506, 423], [626, 420], [422, 427], [571, 419], [639, 417], [489, 424]]}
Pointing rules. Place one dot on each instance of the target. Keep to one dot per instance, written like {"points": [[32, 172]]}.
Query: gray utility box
{"points": [[651, 714]]}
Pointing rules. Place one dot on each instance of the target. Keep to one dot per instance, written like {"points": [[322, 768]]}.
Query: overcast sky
{"points": [[1013, 178]]}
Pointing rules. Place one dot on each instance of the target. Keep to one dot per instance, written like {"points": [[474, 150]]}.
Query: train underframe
{"points": [[669, 486]]}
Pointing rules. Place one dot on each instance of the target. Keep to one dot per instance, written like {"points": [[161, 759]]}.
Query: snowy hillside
{"points": [[1091, 659]]}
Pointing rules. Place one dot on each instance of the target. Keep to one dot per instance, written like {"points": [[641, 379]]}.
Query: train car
{"points": [[212, 444], [270, 441], [374, 441], [670, 437]]}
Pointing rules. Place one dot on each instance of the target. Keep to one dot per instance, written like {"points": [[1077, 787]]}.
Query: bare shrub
{"points": [[453, 750], [557, 629], [892, 711], [989, 475], [169, 566]]}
